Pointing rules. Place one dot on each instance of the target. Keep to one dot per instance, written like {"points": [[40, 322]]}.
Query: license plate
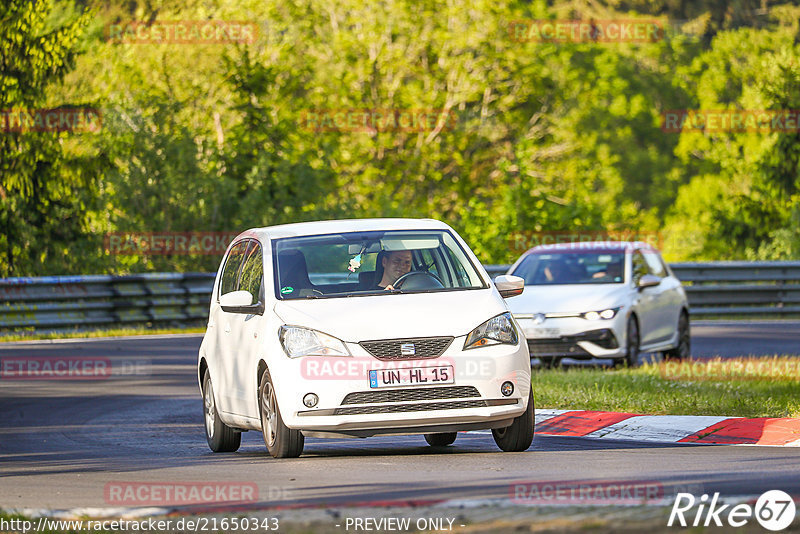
{"points": [[384, 378], [542, 333]]}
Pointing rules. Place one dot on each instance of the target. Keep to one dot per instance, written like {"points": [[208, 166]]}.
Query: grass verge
{"points": [[111, 332], [742, 387]]}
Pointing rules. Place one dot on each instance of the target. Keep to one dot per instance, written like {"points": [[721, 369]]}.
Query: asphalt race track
{"points": [[730, 339], [62, 442]]}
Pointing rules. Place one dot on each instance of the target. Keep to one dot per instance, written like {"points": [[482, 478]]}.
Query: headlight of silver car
{"points": [[298, 341], [608, 313], [496, 331]]}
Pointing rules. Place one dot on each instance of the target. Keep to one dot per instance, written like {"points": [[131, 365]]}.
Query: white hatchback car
{"points": [[304, 340], [600, 300]]}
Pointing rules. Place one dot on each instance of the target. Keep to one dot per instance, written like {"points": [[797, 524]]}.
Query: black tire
{"points": [[519, 436], [441, 440], [220, 437], [281, 441], [632, 349], [684, 349]]}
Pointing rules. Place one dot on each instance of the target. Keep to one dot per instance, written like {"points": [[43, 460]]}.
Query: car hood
{"points": [[568, 298], [355, 319]]}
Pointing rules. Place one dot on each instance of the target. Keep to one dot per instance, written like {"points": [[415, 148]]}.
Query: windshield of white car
{"points": [[595, 267], [357, 264]]}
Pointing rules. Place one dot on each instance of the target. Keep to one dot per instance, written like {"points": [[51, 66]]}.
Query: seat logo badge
{"points": [[407, 349], [538, 318]]}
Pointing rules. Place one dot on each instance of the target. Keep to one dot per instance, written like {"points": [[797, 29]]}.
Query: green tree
{"points": [[44, 192], [746, 194]]}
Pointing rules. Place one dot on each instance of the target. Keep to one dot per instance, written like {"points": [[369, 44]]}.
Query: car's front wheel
{"points": [[220, 437], [632, 352], [684, 348], [281, 441], [441, 440], [519, 435]]}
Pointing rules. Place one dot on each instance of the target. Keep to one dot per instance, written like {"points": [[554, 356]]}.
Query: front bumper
{"points": [[348, 403], [575, 337]]}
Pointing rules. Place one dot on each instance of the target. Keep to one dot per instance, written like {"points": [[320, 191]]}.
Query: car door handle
{"points": [[227, 328]]}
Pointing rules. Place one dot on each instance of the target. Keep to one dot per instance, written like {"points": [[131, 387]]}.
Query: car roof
{"points": [[341, 225], [583, 246]]}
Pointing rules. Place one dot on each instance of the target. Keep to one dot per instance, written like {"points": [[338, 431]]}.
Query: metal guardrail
{"points": [[78, 301], [58, 302]]}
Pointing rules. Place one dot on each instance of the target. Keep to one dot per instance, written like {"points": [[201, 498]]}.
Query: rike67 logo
{"points": [[774, 510]]}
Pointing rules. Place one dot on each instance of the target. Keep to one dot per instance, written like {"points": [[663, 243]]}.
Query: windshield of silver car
{"points": [[572, 268]]}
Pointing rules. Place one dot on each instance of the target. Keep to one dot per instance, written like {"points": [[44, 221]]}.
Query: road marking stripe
{"points": [[782, 432], [756, 431], [580, 423], [663, 428], [544, 415]]}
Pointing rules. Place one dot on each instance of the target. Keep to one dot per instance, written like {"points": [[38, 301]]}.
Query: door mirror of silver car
{"points": [[240, 302], [509, 285], [648, 280]]}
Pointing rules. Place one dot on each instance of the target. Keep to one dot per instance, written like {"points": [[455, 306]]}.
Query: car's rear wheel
{"points": [[220, 437], [441, 440], [281, 441], [519, 435], [684, 348]]}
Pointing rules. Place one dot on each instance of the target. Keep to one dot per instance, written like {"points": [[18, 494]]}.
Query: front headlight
{"points": [[298, 341], [496, 331], [608, 313]]}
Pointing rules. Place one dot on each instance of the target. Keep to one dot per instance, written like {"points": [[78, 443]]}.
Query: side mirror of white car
{"points": [[648, 280], [509, 285], [240, 302]]}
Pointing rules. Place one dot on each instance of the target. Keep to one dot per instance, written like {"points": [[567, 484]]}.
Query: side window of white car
{"points": [[654, 263], [230, 273], [252, 272], [639, 266]]}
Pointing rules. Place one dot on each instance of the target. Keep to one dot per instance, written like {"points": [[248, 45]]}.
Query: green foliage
{"points": [[746, 203], [527, 136], [44, 191]]}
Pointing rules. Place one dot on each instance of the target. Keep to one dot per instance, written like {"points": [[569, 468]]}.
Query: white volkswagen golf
{"points": [[359, 328], [600, 300]]}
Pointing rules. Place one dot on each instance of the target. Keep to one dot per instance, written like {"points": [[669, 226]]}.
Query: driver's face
{"points": [[396, 264]]}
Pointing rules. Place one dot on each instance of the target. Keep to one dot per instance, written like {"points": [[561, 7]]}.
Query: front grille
{"points": [[399, 408], [409, 395], [555, 347], [424, 347]]}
